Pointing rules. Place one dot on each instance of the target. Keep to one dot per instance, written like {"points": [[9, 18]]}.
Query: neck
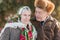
{"points": [[24, 23], [42, 19]]}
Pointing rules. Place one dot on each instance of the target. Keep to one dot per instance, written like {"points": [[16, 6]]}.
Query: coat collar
{"points": [[47, 18], [14, 25]]}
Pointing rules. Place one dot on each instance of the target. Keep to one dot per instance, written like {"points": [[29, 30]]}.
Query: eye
{"points": [[25, 15], [29, 15], [39, 12]]}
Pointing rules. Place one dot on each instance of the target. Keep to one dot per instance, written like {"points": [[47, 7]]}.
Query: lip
{"points": [[26, 20], [38, 17]]}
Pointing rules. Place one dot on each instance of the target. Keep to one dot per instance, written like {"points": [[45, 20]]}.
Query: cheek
{"points": [[22, 17], [45, 15], [28, 18], [36, 15]]}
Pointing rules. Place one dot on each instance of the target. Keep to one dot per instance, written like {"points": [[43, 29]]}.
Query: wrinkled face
{"points": [[40, 14], [25, 17]]}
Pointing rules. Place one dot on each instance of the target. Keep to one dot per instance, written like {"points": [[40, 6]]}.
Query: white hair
{"points": [[24, 8]]}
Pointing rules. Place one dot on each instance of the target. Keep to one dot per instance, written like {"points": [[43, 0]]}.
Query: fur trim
{"points": [[45, 4]]}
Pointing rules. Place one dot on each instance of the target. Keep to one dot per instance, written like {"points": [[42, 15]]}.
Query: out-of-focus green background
{"points": [[8, 8]]}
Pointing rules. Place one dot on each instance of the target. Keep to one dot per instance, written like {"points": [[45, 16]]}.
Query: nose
{"points": [[27, 17], [37, 14]]}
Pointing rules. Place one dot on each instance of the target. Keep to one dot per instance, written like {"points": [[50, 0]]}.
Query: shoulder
{"points": [[5, 31], [50, 18], [56, 22], [8, 27], [11, 25]]}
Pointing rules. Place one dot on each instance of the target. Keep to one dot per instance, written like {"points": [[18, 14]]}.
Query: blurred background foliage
{"points": [[8, 8]]}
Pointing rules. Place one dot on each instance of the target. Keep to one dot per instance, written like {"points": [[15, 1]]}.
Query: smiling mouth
{"points": [[38, 17]]}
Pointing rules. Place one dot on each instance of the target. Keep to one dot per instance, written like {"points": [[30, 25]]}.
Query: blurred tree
{"points": [[56, 13], [10, 7]]}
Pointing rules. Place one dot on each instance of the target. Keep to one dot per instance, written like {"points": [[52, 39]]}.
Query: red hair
{"points": [[45, 4]]}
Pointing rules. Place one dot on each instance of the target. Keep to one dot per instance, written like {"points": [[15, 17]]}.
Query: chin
{"points": [[39, 19], [26, 22]]}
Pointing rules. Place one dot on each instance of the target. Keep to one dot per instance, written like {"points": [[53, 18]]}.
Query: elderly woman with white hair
{"points": [[20, 30]]}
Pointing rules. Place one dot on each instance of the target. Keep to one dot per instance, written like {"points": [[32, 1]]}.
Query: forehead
{"points": [[26, 12], [39, 9]]}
